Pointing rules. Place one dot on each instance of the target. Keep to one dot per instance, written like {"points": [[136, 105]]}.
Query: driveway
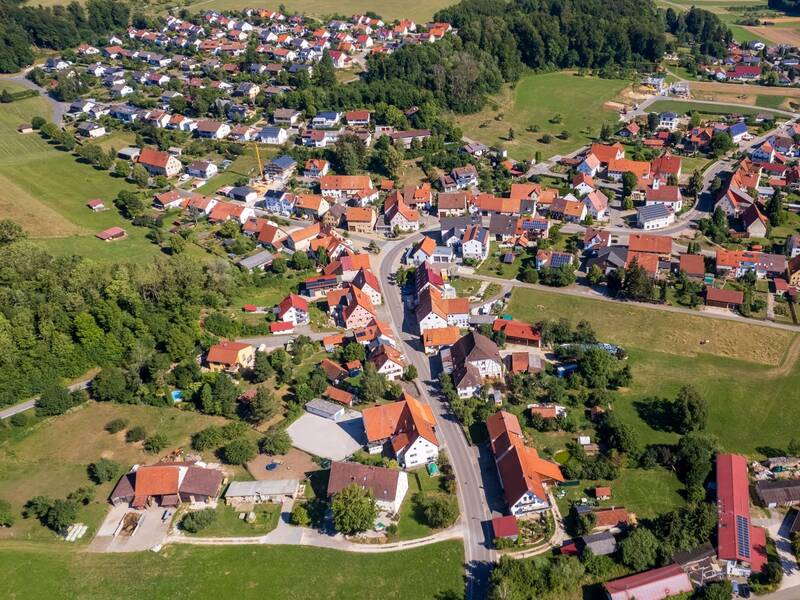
{"points": [[328, 439], [778, 527], [151, 531]]}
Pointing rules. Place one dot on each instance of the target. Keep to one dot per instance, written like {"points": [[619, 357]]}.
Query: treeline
{"points": [[61, 316], [789, 6], [553, 34], [55, 28], [700, 28]]}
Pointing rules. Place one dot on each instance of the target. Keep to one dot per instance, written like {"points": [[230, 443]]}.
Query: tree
{"points": [[104, 470], [354, 351], [116, 425], [637, 283], [55, 400], [691, 411], [640, 549], [262, 369], [239, 452], [139, 176], [155, 443], [629, 181], [595, 275], [794, 447], [263, 406], [717, 590], [354, 509], [10, 232], [350, 154], [653, 120], [276, 441], [695, 185], [109, 385], [774, 209], [720, 143], [693, 456], [300, 516], [197, 520], [410, 373], [300, 261], [440, 511], [7, 517], [177, 244], [595, 365]]}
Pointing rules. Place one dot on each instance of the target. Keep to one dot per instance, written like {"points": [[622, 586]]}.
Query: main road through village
{"points": [[474, 476]]}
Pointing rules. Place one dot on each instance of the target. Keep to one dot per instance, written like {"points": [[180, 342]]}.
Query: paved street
{"points": [[29, 404]]}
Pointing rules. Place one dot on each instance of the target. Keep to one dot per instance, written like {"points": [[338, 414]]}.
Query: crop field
{"points": [[551, 102], [748, 373]]}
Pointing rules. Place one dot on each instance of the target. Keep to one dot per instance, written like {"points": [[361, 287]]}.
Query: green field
{"points": [[50, 456], [744, 371], [412, 520], [46, 190], [228, 523], [33, 572], [536, 100], [707, 109]]}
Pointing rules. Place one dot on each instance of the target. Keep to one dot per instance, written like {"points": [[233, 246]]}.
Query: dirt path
{"points": [[789, 360]]}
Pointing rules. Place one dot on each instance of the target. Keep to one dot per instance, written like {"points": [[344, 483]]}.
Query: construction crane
{"points": [[261, 173]]}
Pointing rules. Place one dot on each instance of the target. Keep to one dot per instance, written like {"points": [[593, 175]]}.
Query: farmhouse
{"points": [[656, 584], [167, 485], [388, 486], [157, 162], [404, 429]]}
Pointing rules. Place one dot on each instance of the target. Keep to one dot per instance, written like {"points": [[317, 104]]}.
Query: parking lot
{"points": [[328, 439]]}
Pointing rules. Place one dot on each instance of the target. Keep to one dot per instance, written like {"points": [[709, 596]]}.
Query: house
{"points": [[316, 168], [433, 311], [668, 121], [660, 245], [741, 547], [359, 219], [333, 371], [275, 136], [157, 162], [793, 246], [204, 169], [90, 130], [406, 138], [596, 205], [460, 178], [524, 476], [241, 493], [299, 240], [475, 243], [167, 485], [547, 411], [589, 166], [293, 309], [311, 205], [348, 266], [326, 120], [339, 396], [388, 362], [595, 239], [730, 299], [201, 205], [452, 204], [735, 263], [359, 310], [655, 584], [654, 216], [399, 215], [472, 360], [433, 340], [600, 544], [343, 186], [366, 281], [281, 168], [617, 168], [230, 356], [259, 260], [286, 116], [553, 259], [667, 195], [404, 429], [357, 118], [568, 209], [754, 222], [228, 211], [388, 486], [214, 130], [693, 265], [606, 153], [602, 493]]}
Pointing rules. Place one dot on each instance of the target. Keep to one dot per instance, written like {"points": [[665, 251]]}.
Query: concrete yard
{"points": [[326, 438]]}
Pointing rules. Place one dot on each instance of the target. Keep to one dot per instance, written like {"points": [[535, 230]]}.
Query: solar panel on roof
{"points": [[560, 259], [742, 536]]}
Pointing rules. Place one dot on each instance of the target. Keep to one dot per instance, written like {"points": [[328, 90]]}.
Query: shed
{"points": [[723, 298], [600, 544], [258, 492], [505, 528], [325, 409]]}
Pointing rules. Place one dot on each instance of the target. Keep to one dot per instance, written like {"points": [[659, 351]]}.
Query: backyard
{"points": [[36, 571], [412, 520], [229, 524], [546, 101], [747, 373]]}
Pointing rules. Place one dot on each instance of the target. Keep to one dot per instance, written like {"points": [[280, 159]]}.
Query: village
{"points": [[398, 369]]}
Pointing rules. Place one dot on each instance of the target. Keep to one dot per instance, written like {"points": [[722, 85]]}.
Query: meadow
{"points": [[46, 190], [747, 373], [36, 572], [552, 102], [706, 109]]}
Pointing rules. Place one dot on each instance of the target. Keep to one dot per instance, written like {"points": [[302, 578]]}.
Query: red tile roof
{"points": [[645, 242], [225, 353]]}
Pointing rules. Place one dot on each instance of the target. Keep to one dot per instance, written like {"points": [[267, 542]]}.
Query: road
{"points": [[59, 108], [465, 459], [29, 404]]}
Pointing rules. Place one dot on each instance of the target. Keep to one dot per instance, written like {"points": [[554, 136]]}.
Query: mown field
{"points": [[46, 190], [748, 373], [538, 100], [706, 109], [50, 456], [33, 572]]}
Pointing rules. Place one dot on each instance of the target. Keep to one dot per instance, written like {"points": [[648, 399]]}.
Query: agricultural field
{"points": [[46, 191], [49, 456], [748, 373], [547, 101], [35, 572]]}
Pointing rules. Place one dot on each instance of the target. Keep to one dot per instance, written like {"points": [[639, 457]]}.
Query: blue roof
{"points": [[327, 115], [654, 211], [669, 115], [737, 128], [284, 162]]}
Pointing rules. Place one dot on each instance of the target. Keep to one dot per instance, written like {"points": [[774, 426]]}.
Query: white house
{"points": [[388, 362], [655, 216], [475, 243], [668, 120], [405, 429], [293, 309], [204, 169], [273, 135], [388, 486]]}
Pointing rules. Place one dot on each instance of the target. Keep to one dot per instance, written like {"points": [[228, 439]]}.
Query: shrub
{"points": [[135, 434], [116, 425], [104, 470], [238, 452], [300, 516], [276, 441], [19, 420], [155, 443], [198, 520], [7, 517]]}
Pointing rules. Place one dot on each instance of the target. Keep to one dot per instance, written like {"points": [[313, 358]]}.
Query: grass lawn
{"points": [[750, 398], [465, 286], [228, 523], [245, 165], [708, 109], [412, 521], [493, 266], [535, 100], [50, 456], [39, 572], [644, 492], [690, 164], [46, 190]]}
